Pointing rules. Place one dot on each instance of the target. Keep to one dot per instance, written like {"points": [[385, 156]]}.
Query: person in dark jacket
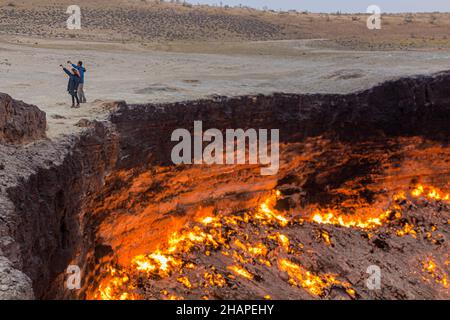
{"points": [[81, 70], [72, 86]]}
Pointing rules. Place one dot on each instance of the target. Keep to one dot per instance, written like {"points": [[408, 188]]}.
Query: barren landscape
{"points": [[364, 172]]}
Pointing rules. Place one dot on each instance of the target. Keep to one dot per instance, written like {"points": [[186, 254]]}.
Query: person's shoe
{"points": [[78, 105], [73, 106]]}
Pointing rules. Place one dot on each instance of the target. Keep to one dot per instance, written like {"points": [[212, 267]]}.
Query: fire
{"points": [[226, 235], [185, 281], [113, 288], [330, 216], [240, 271], [368, 221], [257, 250], [211, 233], [407, 229], [326, 237], [210, 221], [267, 215], [214, 280], [430, 268], [315, 284], [184, 242], [430, 193], [156, 262], [282, 240]]}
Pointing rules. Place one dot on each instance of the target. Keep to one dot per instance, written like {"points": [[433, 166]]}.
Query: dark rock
{"points": [[57, 116], [84, 123], [20, 122], [380, 243]]}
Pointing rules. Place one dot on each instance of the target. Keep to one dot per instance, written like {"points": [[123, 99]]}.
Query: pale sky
{"points": [[343, 5]]}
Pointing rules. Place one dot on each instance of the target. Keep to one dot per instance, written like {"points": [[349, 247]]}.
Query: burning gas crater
{"points": [[255, 238]]}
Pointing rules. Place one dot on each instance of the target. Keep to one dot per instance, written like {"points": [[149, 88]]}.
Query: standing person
{"points": [[81, 70], [72, 86]]}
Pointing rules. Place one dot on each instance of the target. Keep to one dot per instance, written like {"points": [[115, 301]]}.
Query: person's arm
{"points": [[73, 65], [79, 68], [67, 72]]}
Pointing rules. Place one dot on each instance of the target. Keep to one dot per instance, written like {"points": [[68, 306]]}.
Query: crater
{"points": [[363, 181]]}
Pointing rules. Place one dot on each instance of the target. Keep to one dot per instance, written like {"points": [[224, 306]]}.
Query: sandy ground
{"points": [[30, 72]]}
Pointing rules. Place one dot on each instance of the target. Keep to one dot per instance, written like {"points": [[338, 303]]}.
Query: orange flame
{"points": [[315, 284], [430, 267], [330, 216], [430, 193], [216, 232], [241, 271], [371, 221]]}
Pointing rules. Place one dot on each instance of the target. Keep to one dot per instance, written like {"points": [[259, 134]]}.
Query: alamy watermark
{"points": [[74, 20], [73, 281], [374, 21], [374, 280], [231, 150]]}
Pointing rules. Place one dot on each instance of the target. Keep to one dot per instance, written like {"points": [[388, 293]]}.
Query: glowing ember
{"points": [[371, 221], [267, 215], [114, 287], [240, 271], [315, 284], [254, 250], [325, 236], [185, 281], [211, 235], [214, 280], [430, 193], [226, 235], [156, 263], [281, 239], [407, 229], [332, 217], [430, 268]]}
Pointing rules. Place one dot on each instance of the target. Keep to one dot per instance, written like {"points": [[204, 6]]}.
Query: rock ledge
{"points": [[20, 122]]}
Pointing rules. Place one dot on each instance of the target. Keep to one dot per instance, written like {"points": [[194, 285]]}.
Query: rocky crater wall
{"points": [[408, 106], [20, 122]]}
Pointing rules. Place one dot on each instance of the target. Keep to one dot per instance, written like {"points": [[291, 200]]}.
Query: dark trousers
{"points": [[75, 97]]}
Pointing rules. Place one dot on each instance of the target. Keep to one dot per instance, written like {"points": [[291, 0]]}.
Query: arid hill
{"points": [[148, 21]]}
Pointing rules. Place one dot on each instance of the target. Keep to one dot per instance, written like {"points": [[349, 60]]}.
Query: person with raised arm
{"points": [[72, 85]]}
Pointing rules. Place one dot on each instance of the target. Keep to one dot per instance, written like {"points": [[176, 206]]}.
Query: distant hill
{"points": [[136, 20], [151, 21]]}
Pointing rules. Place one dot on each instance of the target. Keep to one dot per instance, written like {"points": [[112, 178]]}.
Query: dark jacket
{"points": [[74, 81], [81, 71]]}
